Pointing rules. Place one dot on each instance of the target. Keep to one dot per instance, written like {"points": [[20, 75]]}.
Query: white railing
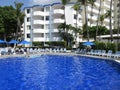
{"points": [[58, 11], [38, 22], [55, 30], [56, 38], [38, 30], [38, 13], [38, 39], [59, 20]]}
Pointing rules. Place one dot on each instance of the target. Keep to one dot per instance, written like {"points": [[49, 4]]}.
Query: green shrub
{"points": [[118, 46], [39, 44], [69, 48], [102, 46], [53, 43], [111, 46]]}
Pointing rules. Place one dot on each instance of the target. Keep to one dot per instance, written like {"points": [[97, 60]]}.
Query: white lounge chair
{"points": [[116, 55], [109, 53]]}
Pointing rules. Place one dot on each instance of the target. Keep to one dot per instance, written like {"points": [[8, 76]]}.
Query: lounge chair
{"points": [[90, 52], [103, 52], [109, 53], [116, 55]]}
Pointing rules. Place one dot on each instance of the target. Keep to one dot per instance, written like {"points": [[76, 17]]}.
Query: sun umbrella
{"points": [[13, 42], [1, 41], [24, 42], [88, 43]]}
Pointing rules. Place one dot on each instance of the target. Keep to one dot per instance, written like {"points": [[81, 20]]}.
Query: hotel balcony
{"points": [[58, 11], [58, 20], [38, 21], [106, 6], [56, 38], [108, 20], [38, 30], [38, 39], [94, 10], [27, 31], [38, 13], [55, 30]]}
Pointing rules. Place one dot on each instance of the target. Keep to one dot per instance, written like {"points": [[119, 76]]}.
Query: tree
{"points": [[19, 18], [76, 32], [92, 2], [84, 3], [77, 7], [64, 31], [118, 25], [102, 31], [111, 32], [7, 22], [64, 2], [102, 17], [98, 19]]}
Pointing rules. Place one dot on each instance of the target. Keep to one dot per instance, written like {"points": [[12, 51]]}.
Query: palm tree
{"points": [[92, 2], [98, 19], [19, 16], [111, 32], [65, 34], [84, 3], [76, 30], [102, 17], [77, 7], [64, 2], [118, 29]]}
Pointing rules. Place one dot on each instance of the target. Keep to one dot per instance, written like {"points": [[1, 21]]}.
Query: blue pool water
{"points": [[55, 72]]}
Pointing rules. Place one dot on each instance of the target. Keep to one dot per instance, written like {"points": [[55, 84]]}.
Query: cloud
{"points": [[43, 2]]}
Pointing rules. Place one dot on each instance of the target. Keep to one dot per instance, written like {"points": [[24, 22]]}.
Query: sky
{"points": [[27, 2]]}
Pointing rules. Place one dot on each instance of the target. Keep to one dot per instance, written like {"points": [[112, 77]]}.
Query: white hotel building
{"points": [[41, 21]]}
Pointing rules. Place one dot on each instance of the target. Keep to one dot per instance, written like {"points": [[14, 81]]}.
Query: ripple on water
{"points": [[58, 72]]}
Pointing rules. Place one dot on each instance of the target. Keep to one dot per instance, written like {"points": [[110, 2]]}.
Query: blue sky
{"points": [[11, 2], [27, 2]]}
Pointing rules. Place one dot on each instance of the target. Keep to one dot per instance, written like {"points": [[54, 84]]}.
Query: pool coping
{"points": [[58, 53]]}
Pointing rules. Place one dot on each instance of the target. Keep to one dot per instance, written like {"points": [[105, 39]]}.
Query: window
{"points": [[47, 9], [39, 35], [47, 26], [28, 27], [42, 26], [28, 35], [75, 16], [47, 17], [28, 19], [28, 10]]}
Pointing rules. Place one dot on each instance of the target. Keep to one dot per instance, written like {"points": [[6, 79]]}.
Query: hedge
{"points": [[53, 43]]}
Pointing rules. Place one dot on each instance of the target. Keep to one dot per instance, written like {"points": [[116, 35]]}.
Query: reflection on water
{"points": [[55, 72]]}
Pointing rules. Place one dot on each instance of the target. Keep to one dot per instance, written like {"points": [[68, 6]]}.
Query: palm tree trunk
{"points": [[118, 29], [64, 16], [111, 32], [98, 20], [86, 22], [91, 15]]}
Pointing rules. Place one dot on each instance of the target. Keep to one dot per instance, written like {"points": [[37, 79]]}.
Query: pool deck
{"points": [[58, 53]]}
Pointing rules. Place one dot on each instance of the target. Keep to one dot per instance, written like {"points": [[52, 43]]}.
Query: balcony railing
{"points": [[38, 13], [56, 38], [38, 39], [59, 20], [58, 11], [38, 30], [38, 22]]}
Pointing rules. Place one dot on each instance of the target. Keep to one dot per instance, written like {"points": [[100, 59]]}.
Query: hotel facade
{"points": [[41, 21]]}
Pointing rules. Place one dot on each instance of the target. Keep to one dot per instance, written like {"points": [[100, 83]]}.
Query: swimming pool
{"points": [[58, 72]]}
